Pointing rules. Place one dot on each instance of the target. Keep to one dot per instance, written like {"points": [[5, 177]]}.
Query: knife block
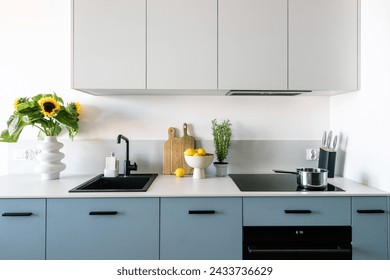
{"points": [[327, 160]]}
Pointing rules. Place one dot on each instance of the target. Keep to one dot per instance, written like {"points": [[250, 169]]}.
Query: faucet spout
{"points": [[127, 166], [120, 136]]}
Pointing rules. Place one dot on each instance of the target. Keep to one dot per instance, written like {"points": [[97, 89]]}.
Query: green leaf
{"points": [[5, 137], [67, 119], [36, 98], [15, 128]]}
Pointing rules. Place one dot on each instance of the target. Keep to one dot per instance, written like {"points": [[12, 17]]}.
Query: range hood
{"points": [[266, 92]]}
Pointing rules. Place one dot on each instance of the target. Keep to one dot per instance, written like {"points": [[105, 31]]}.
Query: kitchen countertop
{"points": [[31, 186]]}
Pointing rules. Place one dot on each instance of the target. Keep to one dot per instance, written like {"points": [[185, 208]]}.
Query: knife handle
{"points": [[324, 140], [329, 139]]}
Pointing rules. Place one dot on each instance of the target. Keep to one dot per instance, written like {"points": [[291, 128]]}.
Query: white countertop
{"points": [[31, 186]]}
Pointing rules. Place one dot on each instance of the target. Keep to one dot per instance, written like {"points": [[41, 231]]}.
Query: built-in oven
{"points": [[297, 243], [291, 242]]}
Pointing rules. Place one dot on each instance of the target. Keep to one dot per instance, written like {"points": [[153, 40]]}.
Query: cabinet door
{"points": [[323, 44], [22, 229], [182, 44], [201, 228], [109, 44], [252, 44], [369, 228], [117, 228]]}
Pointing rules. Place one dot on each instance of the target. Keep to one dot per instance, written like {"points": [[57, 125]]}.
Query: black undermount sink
{"points": [[132, 183]]}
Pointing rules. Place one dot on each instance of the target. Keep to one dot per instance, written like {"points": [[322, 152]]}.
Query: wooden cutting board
{"points": [[174, 147]]}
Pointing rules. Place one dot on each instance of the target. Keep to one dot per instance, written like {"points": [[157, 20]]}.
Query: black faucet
{"points": [[127, 167]]}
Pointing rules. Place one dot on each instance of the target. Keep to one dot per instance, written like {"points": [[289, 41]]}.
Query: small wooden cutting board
{"points": [[174, 147]]}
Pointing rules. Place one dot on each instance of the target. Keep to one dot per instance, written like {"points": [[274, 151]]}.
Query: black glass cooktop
{"points": [[274, 183]]}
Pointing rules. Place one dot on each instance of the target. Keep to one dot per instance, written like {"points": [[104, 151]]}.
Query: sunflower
{"points": [[19, 101], [77, 106], [16, 102], [49, 106], [45, 112]]}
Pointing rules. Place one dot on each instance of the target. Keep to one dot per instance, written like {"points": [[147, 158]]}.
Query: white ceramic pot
{"points": [[49, 158], [221, 169]]}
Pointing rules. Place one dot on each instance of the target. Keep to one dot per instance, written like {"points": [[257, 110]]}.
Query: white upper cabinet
{"points": [[109, 44], [323, 45], [182, 44], [252, 44], [213, 46]]}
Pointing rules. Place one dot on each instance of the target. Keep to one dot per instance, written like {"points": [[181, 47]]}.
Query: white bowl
{"points": [[199, 163]]}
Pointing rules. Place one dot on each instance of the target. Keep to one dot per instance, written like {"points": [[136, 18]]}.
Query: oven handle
{"points": [[337, 250]]}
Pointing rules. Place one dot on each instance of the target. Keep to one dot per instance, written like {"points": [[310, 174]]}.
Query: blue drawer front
{"points": [[290, 211], [132, 233], [191, 230], [22, 229], [369, 228]]}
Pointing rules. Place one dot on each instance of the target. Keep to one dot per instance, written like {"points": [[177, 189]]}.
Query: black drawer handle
{"points": [[297, 211], [371, 211], [103, 213], [201, 212], [16, 214]]}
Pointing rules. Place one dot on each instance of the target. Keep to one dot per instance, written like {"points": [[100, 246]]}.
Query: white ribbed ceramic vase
{"points": [[49, 158]]}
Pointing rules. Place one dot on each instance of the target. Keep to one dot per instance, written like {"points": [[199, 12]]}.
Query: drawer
{"points": [[306, 211], [201, 228], [369, 228], [103, 228], [22, 229]]}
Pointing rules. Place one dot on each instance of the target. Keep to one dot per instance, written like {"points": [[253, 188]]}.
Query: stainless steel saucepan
{"points": [[309, 177]]}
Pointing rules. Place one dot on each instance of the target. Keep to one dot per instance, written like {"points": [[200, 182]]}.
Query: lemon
{"points": [[189, 152], [201, 152], [180, 172], [196, 155]]}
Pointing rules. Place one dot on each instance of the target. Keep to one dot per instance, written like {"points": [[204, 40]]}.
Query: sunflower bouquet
{"points": [[46, 112]]}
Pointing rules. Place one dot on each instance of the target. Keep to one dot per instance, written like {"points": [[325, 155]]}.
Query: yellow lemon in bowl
{"points": [[201, 152], [180, 172], [189, 152]]}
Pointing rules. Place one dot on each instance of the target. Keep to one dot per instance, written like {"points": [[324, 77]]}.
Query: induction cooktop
{"points": [[274, 183]]}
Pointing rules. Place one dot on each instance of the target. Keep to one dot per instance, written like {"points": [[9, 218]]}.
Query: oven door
{"points": [[297, 243]]}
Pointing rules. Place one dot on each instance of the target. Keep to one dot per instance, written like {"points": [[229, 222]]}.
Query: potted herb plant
{"points": [[222, 135]]}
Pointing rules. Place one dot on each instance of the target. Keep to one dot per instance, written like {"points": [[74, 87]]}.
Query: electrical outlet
{"points": [[20, 154], [312, 154], [23, 154]]}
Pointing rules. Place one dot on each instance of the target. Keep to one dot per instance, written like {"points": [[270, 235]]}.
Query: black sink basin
{"points": [[132, 183]]}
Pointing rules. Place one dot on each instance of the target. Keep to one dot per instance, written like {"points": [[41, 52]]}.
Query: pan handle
{"points": [[285, 171]]}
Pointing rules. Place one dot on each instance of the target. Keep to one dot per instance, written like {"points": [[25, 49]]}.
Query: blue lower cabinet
{"points": [[103, 228], [22, 229], [201, 228], [369, 228]]}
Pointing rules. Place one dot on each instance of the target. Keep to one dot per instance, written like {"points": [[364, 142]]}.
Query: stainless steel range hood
{"points": [[266, 92]]}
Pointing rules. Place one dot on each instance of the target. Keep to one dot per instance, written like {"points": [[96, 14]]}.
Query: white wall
{"points": [[35, 57], [363, 118]]}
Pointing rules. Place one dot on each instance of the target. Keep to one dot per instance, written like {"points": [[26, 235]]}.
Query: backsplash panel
{"points": [[246, 156]]}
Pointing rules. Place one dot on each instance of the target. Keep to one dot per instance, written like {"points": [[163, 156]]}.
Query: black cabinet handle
{"points": [[201, 212], [297, 211], [371, 211], [16, 214], [103, 213]]}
